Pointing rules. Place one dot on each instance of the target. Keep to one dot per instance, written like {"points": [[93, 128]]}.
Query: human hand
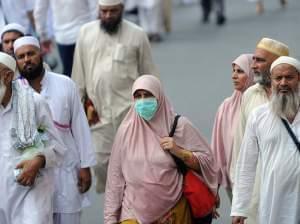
{"points": [[168, 144], [30, 169], [238, 220], [84, 180], [92, 115], [46, 46]]}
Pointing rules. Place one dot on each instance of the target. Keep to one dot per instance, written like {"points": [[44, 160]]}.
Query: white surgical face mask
{"points": [[2, 90]]}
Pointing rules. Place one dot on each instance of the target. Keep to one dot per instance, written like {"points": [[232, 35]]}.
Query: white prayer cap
{"points": [[274, 46], [13, 27], [110, 2], [286, 60], [8, 61], [27, 40]]}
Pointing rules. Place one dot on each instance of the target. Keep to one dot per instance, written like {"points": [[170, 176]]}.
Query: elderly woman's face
{"points": [[142, 94], [239, 78]]}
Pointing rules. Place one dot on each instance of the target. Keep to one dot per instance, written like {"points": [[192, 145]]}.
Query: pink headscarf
{"points": [[143, 181], [225, 123]]}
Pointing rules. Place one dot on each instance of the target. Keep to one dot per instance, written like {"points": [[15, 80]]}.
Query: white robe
{"points": [[27, 205], [69, 118], [266, 138], [253, 97], [105, 67]]}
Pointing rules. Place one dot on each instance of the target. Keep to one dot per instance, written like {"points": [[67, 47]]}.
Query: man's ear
{"points": [[8, 77]]}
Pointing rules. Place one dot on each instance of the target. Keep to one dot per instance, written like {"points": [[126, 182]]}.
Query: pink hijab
{"points": [[143, 181], [225, 123]]}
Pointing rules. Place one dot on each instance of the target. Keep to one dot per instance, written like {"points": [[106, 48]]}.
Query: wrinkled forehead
{"points": [[284, 67]]}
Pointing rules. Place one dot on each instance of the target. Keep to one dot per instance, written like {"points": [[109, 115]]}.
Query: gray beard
{"points": [[285, 105], [263, 79]]}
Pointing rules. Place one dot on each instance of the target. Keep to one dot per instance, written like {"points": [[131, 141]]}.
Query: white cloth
{"points": [[27, 205], [69, 118], [64, 218], [27, 40], [105, 68], [8, 61], [109, 2], [253, 97], [286, 60], [151, 18], [68, 17], [267, 138], [15, 11], [13, 27]]}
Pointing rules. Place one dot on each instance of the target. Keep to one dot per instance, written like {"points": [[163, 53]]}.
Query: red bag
{"points": [[199, 196]]}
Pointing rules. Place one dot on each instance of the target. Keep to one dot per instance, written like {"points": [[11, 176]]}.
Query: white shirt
{"points": [[15, 11], [68, 17], [21, 204], [266, 138], [69, 118]]}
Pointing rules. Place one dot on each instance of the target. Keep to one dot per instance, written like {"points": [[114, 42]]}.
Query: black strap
{"points": [[175, 122], [182, 168], [291, 133]]}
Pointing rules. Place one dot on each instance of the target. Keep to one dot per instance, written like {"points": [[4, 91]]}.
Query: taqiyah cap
{"points": [[27, 40], [286, 60], [8, 61], [274, 46], [110, 2]]}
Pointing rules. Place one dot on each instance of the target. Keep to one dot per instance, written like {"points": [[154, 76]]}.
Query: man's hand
{"points": [[238, 220], [30, 169], [46, 46], [91, 113], [168, 143], [84, 180], [92, 116]]}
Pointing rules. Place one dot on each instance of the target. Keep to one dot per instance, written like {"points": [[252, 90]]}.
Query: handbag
{"points": [[197, 193], [291, 133]]}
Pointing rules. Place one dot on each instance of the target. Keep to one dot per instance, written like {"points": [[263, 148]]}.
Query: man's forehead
{"points": [[107, 7], [26, 48], [284, 67], [10, 34]]}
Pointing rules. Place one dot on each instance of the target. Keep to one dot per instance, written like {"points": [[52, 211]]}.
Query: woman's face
{"points": [[239, 78], [142, 94]]}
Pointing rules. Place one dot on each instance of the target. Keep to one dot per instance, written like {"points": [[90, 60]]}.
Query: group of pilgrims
{"points": [[112, 121]]}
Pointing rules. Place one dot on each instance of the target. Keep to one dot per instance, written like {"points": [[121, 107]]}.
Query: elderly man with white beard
{"points": [[269, 137], [266, 52]]}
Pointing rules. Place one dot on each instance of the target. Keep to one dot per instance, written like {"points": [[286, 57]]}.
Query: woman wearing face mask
{"points": [[144, 185], [227, 117]]}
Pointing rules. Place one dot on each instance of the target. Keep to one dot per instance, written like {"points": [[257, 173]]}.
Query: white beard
{"points": [[285, 105], [2, 91]]}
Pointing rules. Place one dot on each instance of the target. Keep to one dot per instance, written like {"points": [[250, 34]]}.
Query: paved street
{"points": [[195, 64]]}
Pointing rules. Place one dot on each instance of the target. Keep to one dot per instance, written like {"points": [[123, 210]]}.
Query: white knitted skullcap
{"points": [[13, 27], [110, 2], [286, 60], [27, 40], [8, 61]]}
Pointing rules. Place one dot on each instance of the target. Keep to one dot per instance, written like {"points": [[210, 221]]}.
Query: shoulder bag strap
{"points": [[291, 133], [180, 164]]}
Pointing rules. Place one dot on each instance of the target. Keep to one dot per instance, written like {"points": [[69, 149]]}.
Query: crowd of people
{"points": [[107, 117]]}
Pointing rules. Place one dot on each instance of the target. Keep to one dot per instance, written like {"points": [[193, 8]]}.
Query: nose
{"points": [[234, 75], [11, 45], [283, 82], [254, 65]]}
